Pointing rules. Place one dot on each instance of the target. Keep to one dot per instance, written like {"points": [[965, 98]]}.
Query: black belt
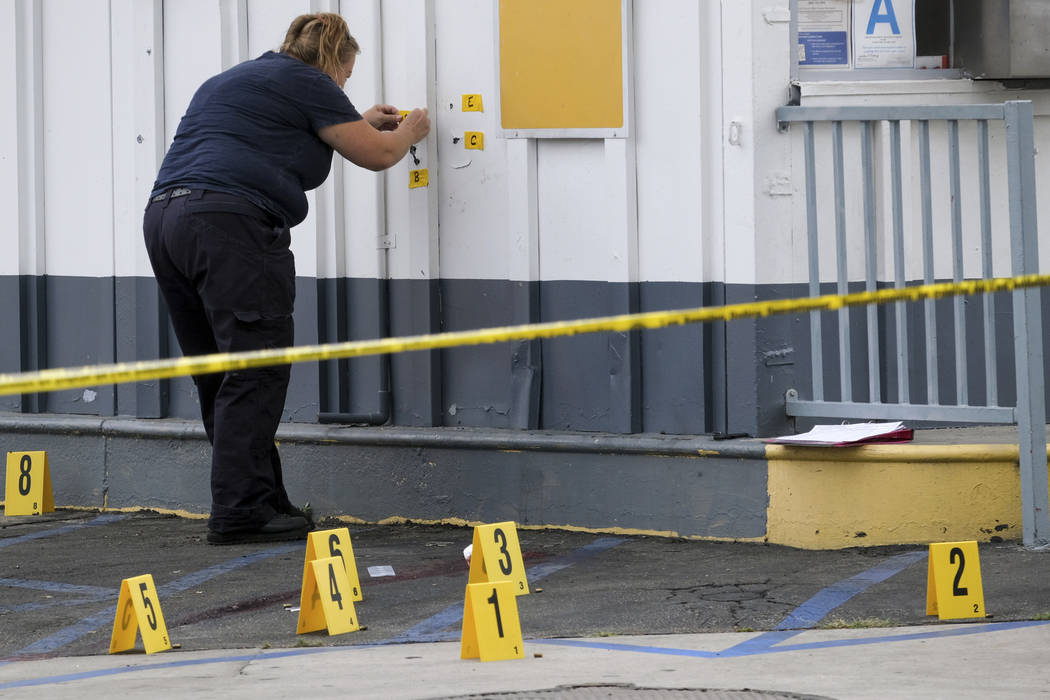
{"points": [[171, 194]]}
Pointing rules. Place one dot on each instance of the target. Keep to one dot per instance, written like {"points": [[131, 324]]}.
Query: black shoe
{"points": [[306, 513], [281, 528]]}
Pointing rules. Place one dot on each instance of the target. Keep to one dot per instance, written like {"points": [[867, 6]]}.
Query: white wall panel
{"points": [[77, 117], [712, 71], [472, 184], [573, 205], [20, 143], [705, 149], [408, 81], [192, 54], [268, 21], [738, 136], [669, 132], [768, 80], [9, 136], [136, 39], [364, 192]]}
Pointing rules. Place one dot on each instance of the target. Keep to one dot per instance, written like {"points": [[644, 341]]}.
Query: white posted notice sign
{"points": [[823, 33], [884, 33]]}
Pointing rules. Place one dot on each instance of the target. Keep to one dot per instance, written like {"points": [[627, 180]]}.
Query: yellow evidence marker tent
{"points": [[953, 581], [138, 609], [500, 556], [335, 543], [323, 602], [491, 629], [28, 485]]}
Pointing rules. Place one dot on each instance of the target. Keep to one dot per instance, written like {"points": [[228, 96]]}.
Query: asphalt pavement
{"points": [[607, 616]]}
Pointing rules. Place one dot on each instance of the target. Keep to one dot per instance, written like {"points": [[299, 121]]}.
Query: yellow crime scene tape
{"points": [[121, 372]]}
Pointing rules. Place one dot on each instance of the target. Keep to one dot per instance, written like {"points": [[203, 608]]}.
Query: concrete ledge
{"points": [[687, 486], [451, 437], [669, 485]]}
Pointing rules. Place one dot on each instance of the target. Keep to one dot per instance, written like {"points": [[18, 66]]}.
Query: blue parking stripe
{"points": [[101, 673], [100, 520], [68, 603], [53, 586], [745, 650], [70, 634], [816, 608], [811, 612], [430, 629]]}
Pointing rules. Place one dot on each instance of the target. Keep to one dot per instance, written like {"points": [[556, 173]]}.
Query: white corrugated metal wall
{"points": [[699, 194]]}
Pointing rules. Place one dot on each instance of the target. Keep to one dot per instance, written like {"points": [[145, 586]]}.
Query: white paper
{"points": [[377, 571], [883, 33], [834, 434], [823, 33]]}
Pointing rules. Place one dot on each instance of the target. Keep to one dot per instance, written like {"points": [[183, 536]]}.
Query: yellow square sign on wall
{"points": [[551, 78]]}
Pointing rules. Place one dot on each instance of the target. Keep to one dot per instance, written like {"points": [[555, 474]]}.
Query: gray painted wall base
{"points": [[692, 486]]}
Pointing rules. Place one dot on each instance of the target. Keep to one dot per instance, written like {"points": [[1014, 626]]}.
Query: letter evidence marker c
{"points": [[336, 543], [497, 556], [491, 629], [953, 581], [324, 601], [138, 610], [28, 485]]}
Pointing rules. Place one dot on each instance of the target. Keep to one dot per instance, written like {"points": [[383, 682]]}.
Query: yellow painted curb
{"points": [[831, 498], [895, 453]]}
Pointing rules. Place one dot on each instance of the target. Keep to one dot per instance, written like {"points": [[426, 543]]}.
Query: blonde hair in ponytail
{"points": [[321, 40]]}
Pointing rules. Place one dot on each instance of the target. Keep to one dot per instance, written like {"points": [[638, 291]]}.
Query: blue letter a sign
{"points": [[883, 16]]}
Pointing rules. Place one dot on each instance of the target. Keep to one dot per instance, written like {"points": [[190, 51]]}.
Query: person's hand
{"points": [[416, 125], [383, 117]]}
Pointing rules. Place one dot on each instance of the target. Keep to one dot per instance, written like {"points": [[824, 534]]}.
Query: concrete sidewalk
{"points": [[608, 610], [1006, 660]]}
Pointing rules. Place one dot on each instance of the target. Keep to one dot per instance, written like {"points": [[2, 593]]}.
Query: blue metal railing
{"points": [[1029, 413]]}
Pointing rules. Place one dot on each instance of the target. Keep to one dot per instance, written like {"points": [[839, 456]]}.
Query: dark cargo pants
{"points": [[227, 275]]}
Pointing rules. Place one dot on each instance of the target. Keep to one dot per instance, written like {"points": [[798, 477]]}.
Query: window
{"points": [[873, 39]]}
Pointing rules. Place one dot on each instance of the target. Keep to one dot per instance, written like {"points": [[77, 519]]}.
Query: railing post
{"points": [[1031, 403]]}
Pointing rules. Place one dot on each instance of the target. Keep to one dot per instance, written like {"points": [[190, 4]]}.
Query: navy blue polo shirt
{"points": [[251, 131]]}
